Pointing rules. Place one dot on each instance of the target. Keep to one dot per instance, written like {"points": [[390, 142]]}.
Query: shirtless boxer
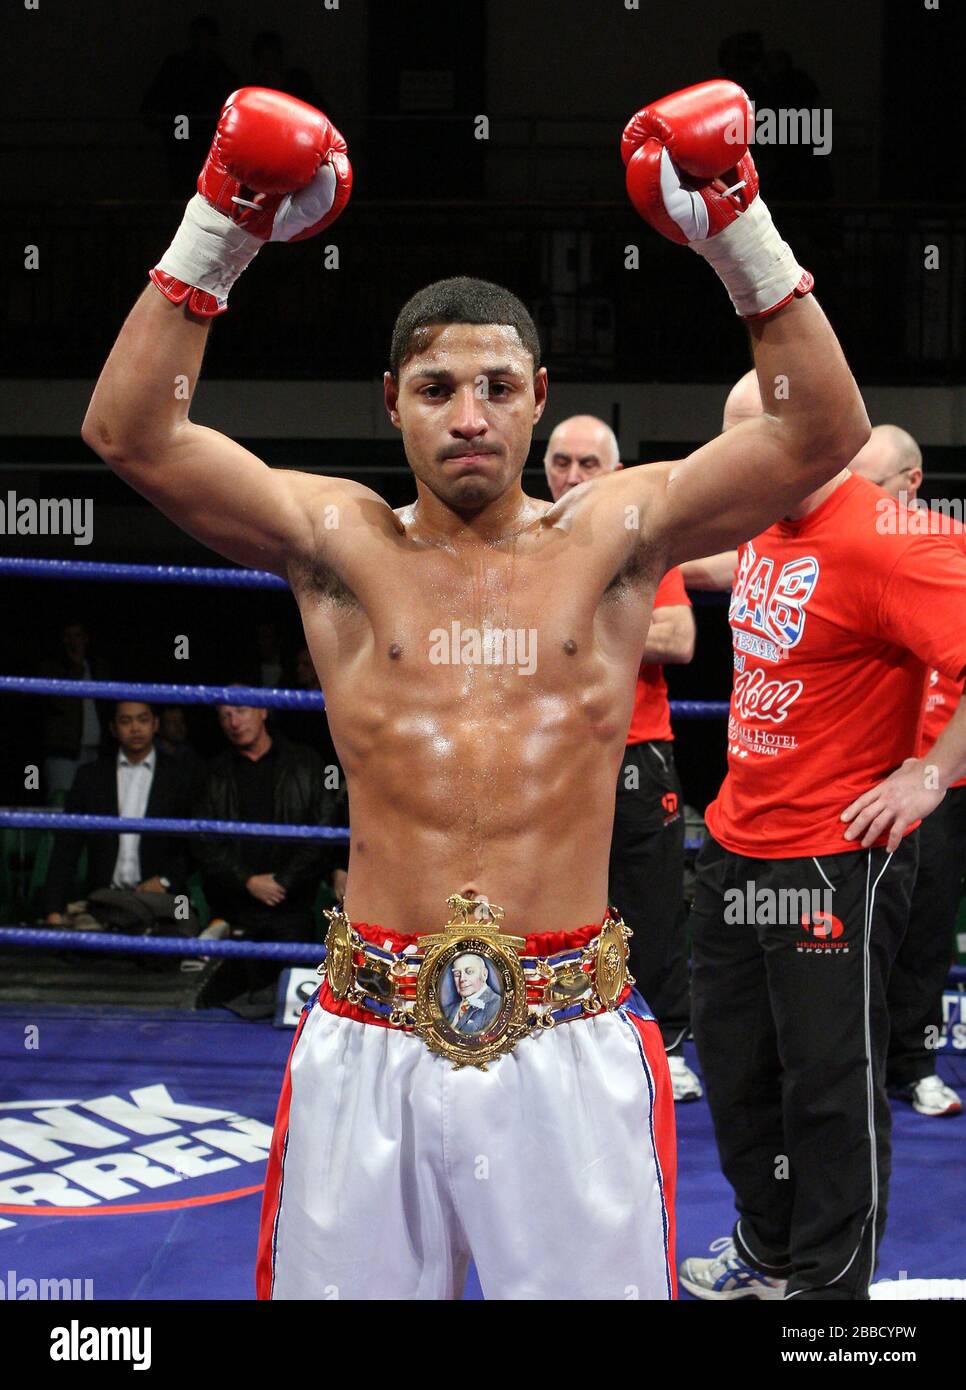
{"points": [[553, 1166]]}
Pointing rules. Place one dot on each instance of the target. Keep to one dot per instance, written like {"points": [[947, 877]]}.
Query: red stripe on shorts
{"points": [[663, 1121], [265, 1264]]}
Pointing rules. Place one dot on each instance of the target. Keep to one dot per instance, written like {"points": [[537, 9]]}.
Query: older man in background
{"points": [[647, 848], [893, 460]]}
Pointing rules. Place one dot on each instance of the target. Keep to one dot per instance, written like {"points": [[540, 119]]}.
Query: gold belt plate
{"points": [[471, 991], [610, 967]]}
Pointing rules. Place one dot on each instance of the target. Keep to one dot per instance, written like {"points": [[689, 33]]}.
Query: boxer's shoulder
{"points": [[341, 511], [623, 498], [346, 519], [318, 490]]}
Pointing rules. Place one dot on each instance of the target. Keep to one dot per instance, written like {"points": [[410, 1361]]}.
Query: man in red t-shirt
{"points": [[804, 884], [647, 846], [892, 459]]}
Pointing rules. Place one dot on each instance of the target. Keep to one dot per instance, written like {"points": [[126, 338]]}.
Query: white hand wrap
{"points": [[209, 251], [756, 267]]}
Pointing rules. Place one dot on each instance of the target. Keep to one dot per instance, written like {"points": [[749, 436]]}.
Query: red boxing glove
{"points": [[267, 146], [277, 170], [697, 135], [690, 175]]}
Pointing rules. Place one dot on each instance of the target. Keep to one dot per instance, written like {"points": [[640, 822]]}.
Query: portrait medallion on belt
{"points": [[471, 995]]}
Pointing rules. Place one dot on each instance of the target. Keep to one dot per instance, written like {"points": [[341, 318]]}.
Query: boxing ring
{"points": [[121, 1113]]}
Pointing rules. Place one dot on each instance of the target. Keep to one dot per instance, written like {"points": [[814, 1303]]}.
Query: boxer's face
{"points": [[466, 403]]}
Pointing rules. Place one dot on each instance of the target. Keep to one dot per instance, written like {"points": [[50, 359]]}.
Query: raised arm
{"points": [[814, 422], [206, 483], [690, 175], [138, 419]]}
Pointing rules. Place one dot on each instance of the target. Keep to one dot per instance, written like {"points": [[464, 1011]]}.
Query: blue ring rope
{"points": [[155, 693], [165, 825], [253, 695], [307, 952], [101, 570], [116, 825]]}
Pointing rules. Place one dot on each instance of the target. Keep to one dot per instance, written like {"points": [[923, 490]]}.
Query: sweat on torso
{"points": [[479, 700]]}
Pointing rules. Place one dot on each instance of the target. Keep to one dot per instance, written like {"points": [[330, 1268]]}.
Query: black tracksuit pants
{"points": [[647, 882], [922, 965], [792, 1030]]}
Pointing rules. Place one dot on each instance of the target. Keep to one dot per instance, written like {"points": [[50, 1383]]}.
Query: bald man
{"points": [[579, 449], [892, 459], [646, 879], [805, 881]]}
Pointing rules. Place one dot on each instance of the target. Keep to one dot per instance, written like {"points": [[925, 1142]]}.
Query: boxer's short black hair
{"points": [[459, 300]]}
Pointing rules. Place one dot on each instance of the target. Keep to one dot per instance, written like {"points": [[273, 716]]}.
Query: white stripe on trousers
{"points": [[869, 1077]]}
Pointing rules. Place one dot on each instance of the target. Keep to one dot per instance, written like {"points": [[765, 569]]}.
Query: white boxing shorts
{"points": [[553, 1170]]}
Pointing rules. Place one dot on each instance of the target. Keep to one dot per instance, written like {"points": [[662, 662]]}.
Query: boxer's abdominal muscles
{"points": [[495, 776]]}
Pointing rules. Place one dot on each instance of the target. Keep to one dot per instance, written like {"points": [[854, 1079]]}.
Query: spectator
{"points": [[265, 888], [269, 69], [192, 83], [138, 781], [798, 173], [173, 740], [741, 58], [269, 665], [72, 727]]}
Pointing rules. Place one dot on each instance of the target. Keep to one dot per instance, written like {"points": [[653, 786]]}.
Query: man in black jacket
{"points": [[266, 888], [138, 780]]}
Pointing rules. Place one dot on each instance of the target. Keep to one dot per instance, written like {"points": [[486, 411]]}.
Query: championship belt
{"points": [[467, 993], [471, 993]]}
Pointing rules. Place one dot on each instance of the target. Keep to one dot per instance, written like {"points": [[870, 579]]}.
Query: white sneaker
{"points": [[931, 1096], [216, 929], [727, 1276], [684, 1084]]}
